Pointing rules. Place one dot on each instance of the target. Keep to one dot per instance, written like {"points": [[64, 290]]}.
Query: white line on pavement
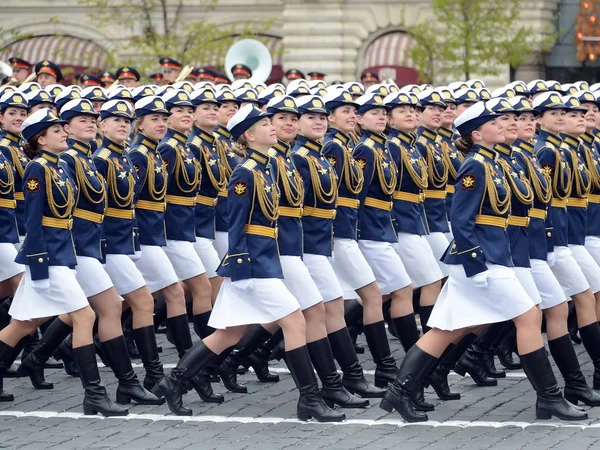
{"points": [[274, 420]]}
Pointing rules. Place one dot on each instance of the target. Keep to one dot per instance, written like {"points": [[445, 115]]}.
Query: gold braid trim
{"points": [[582, 186], [15, 152], [353, 177], [8, 186], [85, 185], [157, 195], [223, 157], [323, 196], [294, 194], [122, 201], [221, 183], [446, 150], [592, 167], [54, 207], [268, 206], [190, 184], [436, 179], [386, 187], [543, 193], [420, 180], [559, 175], [524, 197], [499, 206]]}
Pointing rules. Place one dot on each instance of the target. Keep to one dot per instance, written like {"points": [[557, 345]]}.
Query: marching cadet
{"points": [[465, 98], [241, 72], [478, 290], [13, 112], [565, 223], [228, 106], [127, 76], [20, 67], [433, 107], [170, 69], [49, 287], [320, 196], [107, 79], [253, 291], [47, 73], [120, 233], [88, 211], [39, 99]]}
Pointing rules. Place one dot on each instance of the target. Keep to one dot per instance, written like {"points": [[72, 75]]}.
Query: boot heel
{"points": [[542, 414], [386, 406], [303, 415], [572, 400], [89, 411], [123, 399], [381, 383], [329, 403], [460, 370]]}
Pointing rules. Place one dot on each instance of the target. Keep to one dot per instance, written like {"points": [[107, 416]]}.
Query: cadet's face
{"points": [[490, 133], [262, 134], [509, 125], [181, 118], [403, 118], [12, 119], [45, 79], [574, 123], [82, 128], [449, 115], [344, 118], [553, 120], [592, 116], [526, 126], [42, 106], [462, 108], [154, 126], [55, 139], [374, 120], [286, 126], [207, 115], [97, 106], [432, 116], [226, 111], [116, 129], [313, 126]]}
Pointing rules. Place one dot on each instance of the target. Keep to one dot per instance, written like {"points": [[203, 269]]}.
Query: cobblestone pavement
{"points": [[501, 417]]}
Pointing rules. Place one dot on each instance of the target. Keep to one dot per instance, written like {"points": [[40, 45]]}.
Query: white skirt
{"points": [[568, 273], [386, 264], [350, 266], [461, 304], [184, 259], [418, 259], [588, 265], [268, 300], [221, 243], [439, 243], [525, 277], [156, 268], [8, 267], [592, 244], [298, 281], [547, 284], [208, 255], [91, 276], [320, 270], [63, 296], [124, 274]]}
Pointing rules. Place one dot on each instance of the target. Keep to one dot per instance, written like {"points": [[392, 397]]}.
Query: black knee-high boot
{"points": [[353, 316], [127, 326], [424, 314], [7, 357], [550, 401], [590, 335], [416, 364], [9, 372], [471, 362], [64, 352], [160, 314], [96, 399], [386, 369], [310, 403], [259, 359], [333, 391], [201, 325], [576, 388], [145, 341], [485, 343], [354, 379], [33, 365], [129, 388], [506, 347]]}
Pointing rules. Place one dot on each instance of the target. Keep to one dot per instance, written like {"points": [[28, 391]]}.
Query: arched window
{"points": [[387, 56]]}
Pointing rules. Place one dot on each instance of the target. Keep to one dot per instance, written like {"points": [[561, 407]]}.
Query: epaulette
{"points": [[142, 149], [369, 142], [5, 142], [249, 164], [71, 152], [41, 161], [549, 145], [272, 152], [173, 142], [216, 135], [396, 141], [302, 151], [104, 153], [422, 140], [196, 141], [478, 157], [338, 141]]}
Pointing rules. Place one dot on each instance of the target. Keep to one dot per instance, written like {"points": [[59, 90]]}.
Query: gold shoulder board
{"points": [[250, 164], [302, 151], [478, 157], [272, 152], [5, 142], [173, 142], [369, 142], [422, 140], [196, 141], [104, 154], [72, 153]]}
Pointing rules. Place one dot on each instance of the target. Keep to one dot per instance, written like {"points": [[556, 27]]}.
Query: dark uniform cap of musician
{"points": [[90, 80], [38, 97], [220, 78], [156, 77], [203, 74], [50, 68], [19, 63], [369, 76], [241, 69], [169, 63], [317, 75], [127, 73], [294, 74], [107, 77]]}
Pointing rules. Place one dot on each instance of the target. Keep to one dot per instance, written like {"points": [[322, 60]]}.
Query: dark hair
{"points": [[31, 146], [240, 146], [464, 144]]}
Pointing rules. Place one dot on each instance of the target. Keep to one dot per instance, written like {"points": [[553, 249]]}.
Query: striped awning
{"points": [[62, 50], [389, 50]]}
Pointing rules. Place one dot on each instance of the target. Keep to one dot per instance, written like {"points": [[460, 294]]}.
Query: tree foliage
{"points": [[475, 36]]}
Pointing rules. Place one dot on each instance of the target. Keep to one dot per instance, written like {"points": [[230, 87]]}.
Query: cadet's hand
{"points": [[244, 285], [481, 279], [551, 259], [40, 285]]}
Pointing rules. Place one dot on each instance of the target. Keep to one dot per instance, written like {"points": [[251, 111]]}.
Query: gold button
{"points": [[473, 255], [240, 260], [40, 260], [549, 234], [453, 245]]}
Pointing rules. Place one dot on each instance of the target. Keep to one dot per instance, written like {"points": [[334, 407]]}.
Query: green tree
{"points": [[160, 28], [475, 36]]}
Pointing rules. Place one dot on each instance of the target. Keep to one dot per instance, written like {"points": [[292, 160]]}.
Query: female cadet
{"points": [[49, 286], [553, 300], [570, 186], [120, 233], [224, 145], [433, 107], [88, 212], [349, 263], [320, 195], [13, 111], [481, 287], [252, 291]]}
